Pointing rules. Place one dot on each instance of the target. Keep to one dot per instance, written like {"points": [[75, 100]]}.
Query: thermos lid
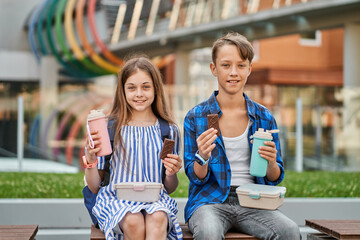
{"points": [[260, 133], [94, 114]]}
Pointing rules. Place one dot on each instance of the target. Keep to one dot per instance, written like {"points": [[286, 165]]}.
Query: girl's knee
{"points": [[133, 223], [156, 225], [158, 218]]}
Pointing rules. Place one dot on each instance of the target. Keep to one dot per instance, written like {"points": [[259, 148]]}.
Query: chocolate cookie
{"points": [[213, 122], [167, 148]]}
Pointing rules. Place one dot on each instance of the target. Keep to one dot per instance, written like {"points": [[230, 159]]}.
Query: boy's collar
{"points": [[215, 108], [213, 104], [250, 107]]}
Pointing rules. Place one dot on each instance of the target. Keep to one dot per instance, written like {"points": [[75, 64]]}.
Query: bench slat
{"points": [[18, 232], [96, 234], [187, 235], [340, 229]]}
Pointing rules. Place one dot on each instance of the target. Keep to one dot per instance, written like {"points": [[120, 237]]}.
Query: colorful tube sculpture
{"points": [[99, 42], [70, 35], [40, 26], [69, 69], [79, 23], [31, 32]]}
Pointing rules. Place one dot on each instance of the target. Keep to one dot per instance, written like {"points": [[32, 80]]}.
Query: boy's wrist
{"points": [[200, 160], [272, 165]]}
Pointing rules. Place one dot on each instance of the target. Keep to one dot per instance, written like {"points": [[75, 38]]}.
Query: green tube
{"points": [[68, 23], [40, 24], [61, 40], [69, 70]]}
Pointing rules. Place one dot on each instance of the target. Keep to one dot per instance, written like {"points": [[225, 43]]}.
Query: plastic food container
{"points": [[138, 191], [261, 196]]}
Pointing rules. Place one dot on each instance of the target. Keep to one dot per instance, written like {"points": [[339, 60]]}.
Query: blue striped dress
{"points": [[143, 146]]}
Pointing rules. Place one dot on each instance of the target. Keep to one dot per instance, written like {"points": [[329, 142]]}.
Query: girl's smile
{"points": [[139, 91], [139, 101]]}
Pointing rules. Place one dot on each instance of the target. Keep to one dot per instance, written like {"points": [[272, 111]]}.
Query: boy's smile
{"points": [[230, 69], [233, 82]]}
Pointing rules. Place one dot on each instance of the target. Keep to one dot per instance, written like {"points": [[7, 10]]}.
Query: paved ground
{"points": [[35, 165]]}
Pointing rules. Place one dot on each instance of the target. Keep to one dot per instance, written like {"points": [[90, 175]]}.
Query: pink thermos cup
{"points": [[96, 122]]}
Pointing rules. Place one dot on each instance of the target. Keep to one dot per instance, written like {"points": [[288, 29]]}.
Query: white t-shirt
{"points": [[238, 154]]}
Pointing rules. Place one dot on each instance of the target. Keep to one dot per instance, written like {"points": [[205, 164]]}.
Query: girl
{"points": [[138, 103]]}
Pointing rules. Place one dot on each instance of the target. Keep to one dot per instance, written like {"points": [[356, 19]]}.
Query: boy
{"points": [[217, 163]]}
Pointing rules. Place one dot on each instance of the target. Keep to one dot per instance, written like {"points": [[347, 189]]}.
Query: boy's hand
{"points": [[269, 152], [205, 143], [172, 164], [91, 152]]}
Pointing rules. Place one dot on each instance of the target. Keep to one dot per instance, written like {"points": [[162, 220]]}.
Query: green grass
{"points": [[322, 184], [51, 185], [41, 185]]}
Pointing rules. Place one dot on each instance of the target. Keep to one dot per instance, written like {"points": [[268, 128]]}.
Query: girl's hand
{"points": [[91, 152], [268, 152], [172, 164], [206, 143]]}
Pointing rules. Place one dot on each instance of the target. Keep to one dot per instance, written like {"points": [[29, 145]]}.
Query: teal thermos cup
{"points": [[258, 165]]}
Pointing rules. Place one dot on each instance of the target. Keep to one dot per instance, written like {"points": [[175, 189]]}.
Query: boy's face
{"points": [[230, 69], [139, 91]]}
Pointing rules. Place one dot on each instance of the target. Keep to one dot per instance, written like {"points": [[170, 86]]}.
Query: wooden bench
{"points": [[97, 234], [338, 229], [187, 235], [18, 232]]}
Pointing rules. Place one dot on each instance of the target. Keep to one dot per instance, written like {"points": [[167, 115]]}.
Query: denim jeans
{"points": [[212, 221]]}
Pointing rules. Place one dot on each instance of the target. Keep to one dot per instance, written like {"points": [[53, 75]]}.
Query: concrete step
{"points": [[69, 219], [84, 233]]}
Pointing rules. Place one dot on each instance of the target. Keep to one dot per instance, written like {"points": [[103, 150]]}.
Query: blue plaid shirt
{"points": [[214, 188]]}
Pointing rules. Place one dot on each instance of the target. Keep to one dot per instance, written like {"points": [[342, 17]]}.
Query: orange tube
{"points": [[90, 14], [79, 23]]}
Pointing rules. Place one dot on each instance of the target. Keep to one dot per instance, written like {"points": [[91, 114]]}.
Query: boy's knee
{"points": [[206, 224], [290, 231], [207, 232]]}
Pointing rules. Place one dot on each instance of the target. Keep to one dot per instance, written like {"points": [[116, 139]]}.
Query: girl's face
{"points": [[231, 70], [139, 91]]}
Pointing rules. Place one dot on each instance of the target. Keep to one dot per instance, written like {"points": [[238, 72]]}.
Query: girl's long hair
{"points": [[121, 110]]}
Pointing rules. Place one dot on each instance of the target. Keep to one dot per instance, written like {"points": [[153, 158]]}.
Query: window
{"points": [[311, 39]]}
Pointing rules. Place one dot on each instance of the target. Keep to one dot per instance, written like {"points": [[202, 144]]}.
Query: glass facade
{"points": [[59, 134], [330, 117]]}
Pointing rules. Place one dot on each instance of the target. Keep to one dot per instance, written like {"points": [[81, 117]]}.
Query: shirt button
{"points": [[228, 170], [228, 187]]}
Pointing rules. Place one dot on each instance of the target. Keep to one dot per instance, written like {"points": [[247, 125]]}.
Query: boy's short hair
{"points": [[233, 38]]}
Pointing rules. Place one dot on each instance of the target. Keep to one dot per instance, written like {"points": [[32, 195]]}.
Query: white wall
{"points": [[13, 15], [18, 66]]}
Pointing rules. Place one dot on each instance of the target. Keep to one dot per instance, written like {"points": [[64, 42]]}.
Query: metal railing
{"points": [[127, 17]]}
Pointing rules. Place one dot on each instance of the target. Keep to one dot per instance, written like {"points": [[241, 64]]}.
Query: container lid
{"points": [[258, 190], [260, 133], [94, 114], [138, 185]]}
